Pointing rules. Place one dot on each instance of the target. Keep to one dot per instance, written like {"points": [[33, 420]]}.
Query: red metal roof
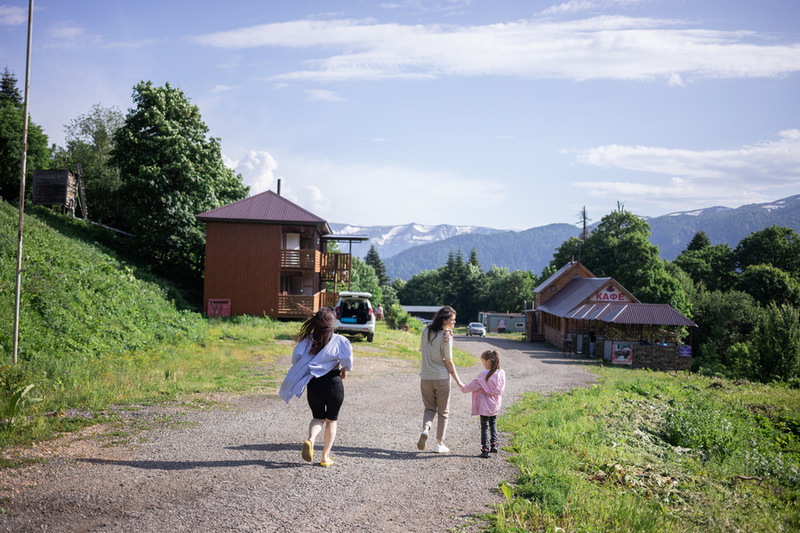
{"points": [[264, 207], [631, 313]]}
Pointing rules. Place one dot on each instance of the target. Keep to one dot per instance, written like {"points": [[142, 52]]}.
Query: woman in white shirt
{"points": [[436, 346], [321, 361]]}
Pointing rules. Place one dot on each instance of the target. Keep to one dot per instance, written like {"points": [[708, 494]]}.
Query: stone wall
{"points": [[659, 358]]}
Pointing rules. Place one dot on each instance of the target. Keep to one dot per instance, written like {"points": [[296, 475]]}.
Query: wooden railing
{"points": [[298, 306], [336, 267], [303, 259]]}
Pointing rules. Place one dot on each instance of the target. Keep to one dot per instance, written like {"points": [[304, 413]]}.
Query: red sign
{"points": [[609, 294]]}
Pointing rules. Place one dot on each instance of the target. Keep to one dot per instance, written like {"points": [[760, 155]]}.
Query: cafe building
{"points": [[598, 317]]}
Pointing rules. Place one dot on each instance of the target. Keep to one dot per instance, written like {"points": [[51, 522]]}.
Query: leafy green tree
{"points": [[768, 284], [170, 171], [509, 290], [11, 129], [424, 288], [713, 266], [567, 252], [364, 279], [723, 318], [775, 245], [619, 247], [373, 259], [89, 142], [776, 343]]}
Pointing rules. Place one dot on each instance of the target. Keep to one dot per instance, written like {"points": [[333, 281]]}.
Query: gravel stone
{"points": [[236, 466]]}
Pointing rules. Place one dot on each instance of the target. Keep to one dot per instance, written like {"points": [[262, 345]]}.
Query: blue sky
{"points": [[505, 114]]}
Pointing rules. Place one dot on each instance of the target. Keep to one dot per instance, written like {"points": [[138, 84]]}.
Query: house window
{"points": [[553, 288]]}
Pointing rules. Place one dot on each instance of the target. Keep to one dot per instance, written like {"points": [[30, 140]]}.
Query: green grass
{"points": [[655, 452]]}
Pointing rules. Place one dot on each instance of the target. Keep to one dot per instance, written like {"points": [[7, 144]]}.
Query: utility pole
{"points": [[22, 179]]}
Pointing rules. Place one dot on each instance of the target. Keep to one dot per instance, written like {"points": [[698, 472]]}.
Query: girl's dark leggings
{"points": [[488, 431]]}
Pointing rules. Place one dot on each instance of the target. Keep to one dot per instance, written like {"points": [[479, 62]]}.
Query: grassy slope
{"points": [[655, 452]]}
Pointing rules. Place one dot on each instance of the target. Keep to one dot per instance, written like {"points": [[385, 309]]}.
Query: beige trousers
{"points": [[436, 399]]}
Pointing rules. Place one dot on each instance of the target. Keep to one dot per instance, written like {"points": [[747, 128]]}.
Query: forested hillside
{"points": [[671, 233], [525, 250]]}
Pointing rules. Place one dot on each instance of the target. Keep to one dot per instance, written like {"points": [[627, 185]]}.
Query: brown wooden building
{"points": [[572, 306], [268, 256]]}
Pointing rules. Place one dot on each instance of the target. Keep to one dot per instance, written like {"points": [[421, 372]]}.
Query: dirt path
{"points": [[238, 467]]}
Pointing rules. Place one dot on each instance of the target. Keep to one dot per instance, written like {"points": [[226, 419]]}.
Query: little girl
{"points": [[487, 390]]}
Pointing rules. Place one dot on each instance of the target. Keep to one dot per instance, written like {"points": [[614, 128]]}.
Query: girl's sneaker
{"points": [[485, 453], [494, 448]]}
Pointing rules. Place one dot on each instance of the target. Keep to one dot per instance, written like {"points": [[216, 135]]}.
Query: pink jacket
{"points": [[486, 397]]}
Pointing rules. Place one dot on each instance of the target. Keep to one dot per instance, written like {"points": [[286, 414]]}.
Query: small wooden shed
{"points": [[55, 187]]}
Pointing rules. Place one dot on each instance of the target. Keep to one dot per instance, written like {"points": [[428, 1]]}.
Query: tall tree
{"points": [[11, 130], [775, 245], [699, 241], [171, 170], [8, 89], [768, 284], [89, 142], [619, 247], [473, 258], [583, 220], [373, 259], [712, 266], [776, 343]]}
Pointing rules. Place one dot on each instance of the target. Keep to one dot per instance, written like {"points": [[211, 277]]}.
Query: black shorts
{"points": [[325, 395]]}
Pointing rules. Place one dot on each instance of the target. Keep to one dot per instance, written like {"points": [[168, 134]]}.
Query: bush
{"points": [[776, 343]]}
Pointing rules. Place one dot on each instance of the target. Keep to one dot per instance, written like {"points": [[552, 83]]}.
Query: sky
{"points": [[495, 113]]}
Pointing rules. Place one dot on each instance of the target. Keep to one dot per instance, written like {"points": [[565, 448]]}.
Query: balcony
{"points": [[301, 259], [300, 306]]}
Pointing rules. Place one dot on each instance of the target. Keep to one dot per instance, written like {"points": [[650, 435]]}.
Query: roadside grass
{"points": [[236, 354], [654, 452]]}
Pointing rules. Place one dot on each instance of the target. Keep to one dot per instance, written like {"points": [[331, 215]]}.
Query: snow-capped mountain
{"points": [[391, 240]]}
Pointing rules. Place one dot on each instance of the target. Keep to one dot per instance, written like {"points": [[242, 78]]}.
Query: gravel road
{"points": [[236, 466]]}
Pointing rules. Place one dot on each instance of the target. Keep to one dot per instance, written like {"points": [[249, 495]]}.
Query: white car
{"points": [[476, 328], [354, 315]]}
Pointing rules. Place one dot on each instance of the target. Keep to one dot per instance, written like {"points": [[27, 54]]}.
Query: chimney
{"points": [[279, 186]]}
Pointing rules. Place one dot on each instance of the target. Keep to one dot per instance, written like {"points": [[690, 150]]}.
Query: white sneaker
{"points": [[440, 448], [422, 439]]}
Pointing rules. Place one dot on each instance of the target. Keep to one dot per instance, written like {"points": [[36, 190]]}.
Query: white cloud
{"points": [[676, 79], [575, 6], [13, 15], [733, 176], [385, 194], [320, 94], [221, 88], [257, 170], [612, 47]]}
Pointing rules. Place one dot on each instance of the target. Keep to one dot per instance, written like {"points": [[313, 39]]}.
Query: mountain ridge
{"points": [[410, 248]]}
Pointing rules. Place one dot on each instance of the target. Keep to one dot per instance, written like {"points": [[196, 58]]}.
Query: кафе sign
{"points": [[610, 294]]}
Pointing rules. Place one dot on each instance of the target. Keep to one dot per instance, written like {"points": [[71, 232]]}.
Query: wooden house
{"points": [[572, 307], [268, 256]]}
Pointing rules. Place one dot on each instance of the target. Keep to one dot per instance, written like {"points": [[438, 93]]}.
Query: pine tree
{"points": [[8, 89], [473, 258], [699, 241], [374, 260]]}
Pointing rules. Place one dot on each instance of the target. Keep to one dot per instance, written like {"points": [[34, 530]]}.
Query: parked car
{"points": [[354, 315], [476, 328]]}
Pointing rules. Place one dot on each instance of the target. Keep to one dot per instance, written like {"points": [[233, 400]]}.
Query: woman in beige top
{"points": [[436, 346]]}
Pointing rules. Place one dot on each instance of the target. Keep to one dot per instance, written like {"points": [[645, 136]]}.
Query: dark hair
{"points": [[441, 316], [493, 357], [320, 328]]}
